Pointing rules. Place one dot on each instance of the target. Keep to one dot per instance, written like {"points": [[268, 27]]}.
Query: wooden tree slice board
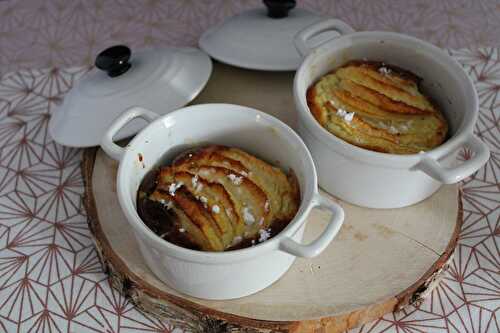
{"points": [[380, 261]]}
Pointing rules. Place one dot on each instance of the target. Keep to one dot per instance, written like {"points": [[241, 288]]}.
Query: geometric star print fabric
{"points": [[51, 279], [60, 33]]}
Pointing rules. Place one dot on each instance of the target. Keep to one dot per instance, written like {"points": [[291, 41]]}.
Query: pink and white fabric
{"points": [[51, 279]]}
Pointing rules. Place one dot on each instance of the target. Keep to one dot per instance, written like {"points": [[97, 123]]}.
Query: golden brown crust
{"points": [[404, 76], [314, 107], [193, 232], [209, 156], [276, 185], [243, 195], [371, 96], [378, 107], [227, 194], [216, 195], [195, 211]]}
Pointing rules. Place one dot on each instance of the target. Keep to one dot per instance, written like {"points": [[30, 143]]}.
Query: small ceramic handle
{"points": [[279, 8], [452, 175], [301, 39], [114, 60], [317, 246], [107, 144]]}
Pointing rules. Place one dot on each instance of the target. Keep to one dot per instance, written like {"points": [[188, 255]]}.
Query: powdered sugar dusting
{"points": [[384, 70], [347, 116], [264, 235], [394, 129], [197, 185], [203, 200], [174, 187], [247, 216], [194, 181], [235, 179], [341, 112]]}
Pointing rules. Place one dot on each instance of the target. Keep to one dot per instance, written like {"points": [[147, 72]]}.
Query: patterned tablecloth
{"points": [[51, 279]]}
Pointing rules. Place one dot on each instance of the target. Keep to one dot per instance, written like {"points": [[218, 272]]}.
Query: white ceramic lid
{"points": [[255, 40], [161, 80]]}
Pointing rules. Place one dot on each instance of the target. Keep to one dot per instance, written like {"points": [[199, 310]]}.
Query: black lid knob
{"points": [[114, 60], [279, 8]]}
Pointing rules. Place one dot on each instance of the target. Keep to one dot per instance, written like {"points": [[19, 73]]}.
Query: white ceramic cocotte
{"points": [[219, 275], [379, 180]]}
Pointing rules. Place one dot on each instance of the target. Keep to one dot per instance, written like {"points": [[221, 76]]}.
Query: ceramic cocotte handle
{"points": [[114, 60], [317, 246], [303, 40], [279, 8], [450, 175], [108, 145]]}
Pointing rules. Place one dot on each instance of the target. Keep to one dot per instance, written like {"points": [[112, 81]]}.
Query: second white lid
{"points": [[160, 80], [256, 40]]}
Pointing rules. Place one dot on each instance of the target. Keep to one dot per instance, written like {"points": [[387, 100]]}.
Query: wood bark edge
{"points": [[197, 318]]}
